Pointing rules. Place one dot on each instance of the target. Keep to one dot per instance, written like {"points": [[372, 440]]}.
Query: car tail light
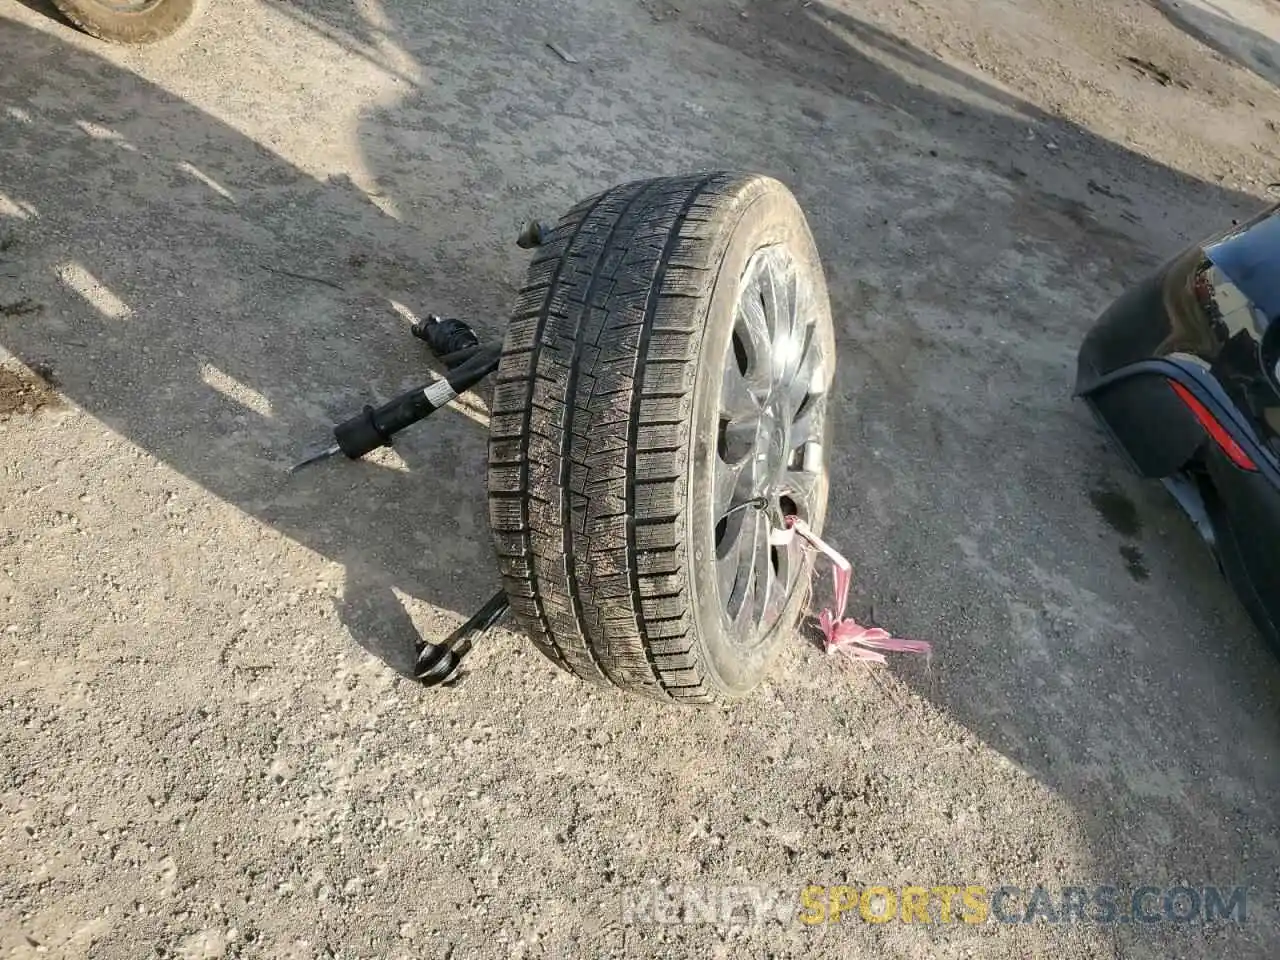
{"points": [[1235, 453]]}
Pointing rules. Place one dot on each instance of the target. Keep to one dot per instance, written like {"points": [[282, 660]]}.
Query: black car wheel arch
{"points": [[1183, 373], [1203, 388]]}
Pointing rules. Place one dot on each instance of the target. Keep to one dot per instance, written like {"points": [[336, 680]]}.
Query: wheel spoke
{"points": [[770, 296], [747, 587], [806, 374], [792, 561], [729, 570], [753, 327], [808, 427], [802, 486], [779, 583], [737, 399], [779, 292], [728, 483], [763, 578]]}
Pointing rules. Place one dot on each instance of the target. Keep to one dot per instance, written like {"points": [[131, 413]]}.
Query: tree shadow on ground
{"points": [[173, 262]]}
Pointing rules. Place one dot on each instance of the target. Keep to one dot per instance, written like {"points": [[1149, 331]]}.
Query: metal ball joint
{"points": [[533, 234]]}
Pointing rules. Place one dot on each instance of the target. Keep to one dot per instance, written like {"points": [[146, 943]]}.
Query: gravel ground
{"points": [[207, 253]]}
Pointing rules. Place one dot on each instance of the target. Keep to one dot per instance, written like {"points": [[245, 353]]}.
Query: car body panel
{"points": [[1246, 523], [1209, 321]]}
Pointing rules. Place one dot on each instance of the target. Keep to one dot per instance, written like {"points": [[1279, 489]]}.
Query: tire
{"points": [[128, 21], [609, 436]]}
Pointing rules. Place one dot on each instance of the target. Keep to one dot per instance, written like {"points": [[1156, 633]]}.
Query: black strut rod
{"points": [[374, 427]]}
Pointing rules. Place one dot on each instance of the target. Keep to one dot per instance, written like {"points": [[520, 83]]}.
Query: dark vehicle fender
{"points": [[1147, 422], [1201, 386], [1145, 419], [1244, 508], [1208, 320]]}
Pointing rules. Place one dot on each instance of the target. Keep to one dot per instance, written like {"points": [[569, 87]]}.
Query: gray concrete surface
{"points": [[206, 746]]}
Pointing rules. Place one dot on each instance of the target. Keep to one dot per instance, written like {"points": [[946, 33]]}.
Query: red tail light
{"points": [[1235, 453]]}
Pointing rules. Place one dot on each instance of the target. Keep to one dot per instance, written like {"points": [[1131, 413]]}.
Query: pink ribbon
{"points": [[844, 635]]}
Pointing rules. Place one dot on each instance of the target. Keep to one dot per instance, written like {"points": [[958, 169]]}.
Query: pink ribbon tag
{"points": [[844, 635]]}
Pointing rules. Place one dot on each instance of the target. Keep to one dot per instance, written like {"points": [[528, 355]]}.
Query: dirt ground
{"points": [[208, 251]]}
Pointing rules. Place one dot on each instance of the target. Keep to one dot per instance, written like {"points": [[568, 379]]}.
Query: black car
{"points": [[1183, 372]]}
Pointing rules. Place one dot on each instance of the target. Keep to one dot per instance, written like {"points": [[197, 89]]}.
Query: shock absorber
{"points": [[454, 344]]}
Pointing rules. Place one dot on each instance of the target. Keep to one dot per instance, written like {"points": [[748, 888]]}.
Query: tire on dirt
{"points": [[604, 422], [136, 22]]}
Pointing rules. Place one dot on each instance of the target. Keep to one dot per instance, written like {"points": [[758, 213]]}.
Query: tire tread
{"points": [[591, 429]]}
